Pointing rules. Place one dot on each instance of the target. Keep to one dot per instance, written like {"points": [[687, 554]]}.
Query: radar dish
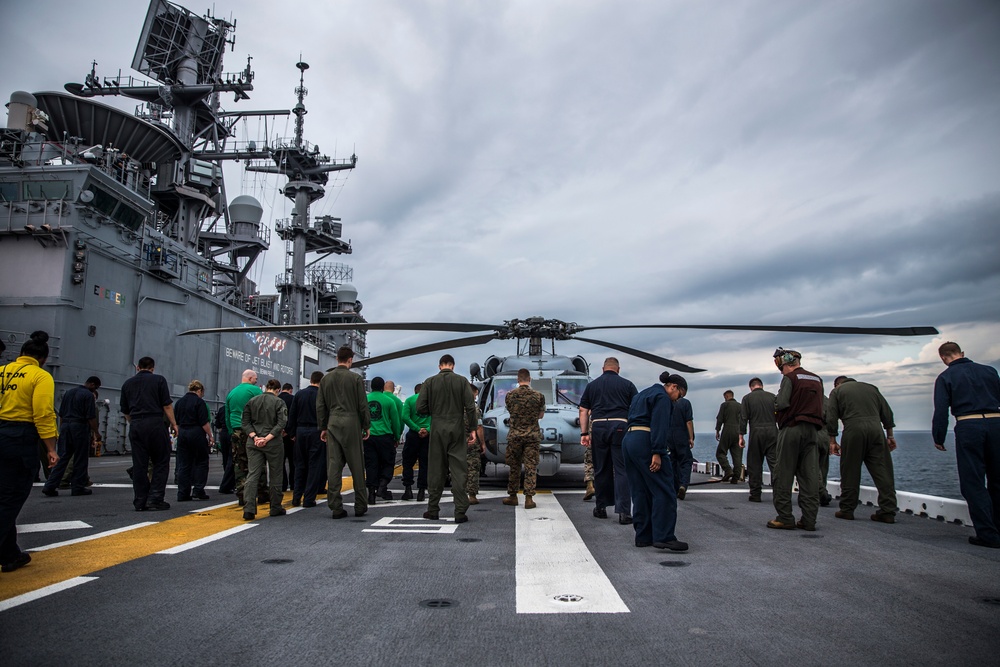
{"points": [[107, 126], [172, 34], [104, 125]]}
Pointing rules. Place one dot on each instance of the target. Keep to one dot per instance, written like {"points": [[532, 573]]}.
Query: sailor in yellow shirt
{"points": [[27, 414]]}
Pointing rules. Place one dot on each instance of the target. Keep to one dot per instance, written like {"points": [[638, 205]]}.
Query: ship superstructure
{"points": [[116, 234]]}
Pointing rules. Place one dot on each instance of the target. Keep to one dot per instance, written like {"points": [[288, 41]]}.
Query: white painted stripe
{"points": [[403, 524], [94, 536], [42, 592], [51, 525], [552, 561], [293, 510], [713, 490], [212, 507], [205, 540]]}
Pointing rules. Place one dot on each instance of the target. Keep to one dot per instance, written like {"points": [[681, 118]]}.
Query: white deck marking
{"points": [[42, 592], [51, 525], [553, 561], [212, 507], [95, 536], [205, 540], [404, 524], [745, 491]]}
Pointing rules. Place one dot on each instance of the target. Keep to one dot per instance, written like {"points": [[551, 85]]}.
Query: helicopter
{"points": [[560, 379]]}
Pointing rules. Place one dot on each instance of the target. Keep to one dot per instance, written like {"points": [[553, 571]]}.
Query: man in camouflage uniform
{"points": [[526, 407], [588, 472], [473, 451], [447, 398]]}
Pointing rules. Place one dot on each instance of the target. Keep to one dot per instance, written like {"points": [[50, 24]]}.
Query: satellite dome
{"points": [[246, 209], [347, 297]]}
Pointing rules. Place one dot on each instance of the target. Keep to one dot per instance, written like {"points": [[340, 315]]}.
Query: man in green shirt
{"points": [[447, 398], [343, 417], [418, 435], [727, 433], [865, 413], [264, 418], [380, 447], [235, 402]]}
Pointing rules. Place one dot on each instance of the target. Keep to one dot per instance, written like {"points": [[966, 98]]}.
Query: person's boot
{"points": [[511, 500], [473, 500], [408, 493], [372, 495], [421, 495], [383, 491], [529, 502], [590, 491]]}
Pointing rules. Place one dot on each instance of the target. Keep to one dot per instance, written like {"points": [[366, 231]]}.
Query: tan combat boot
{"points": [[590, 491], [473, 500], [510, 500], [529, 502]]}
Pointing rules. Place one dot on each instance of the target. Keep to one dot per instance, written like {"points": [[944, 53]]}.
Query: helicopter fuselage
{"points": [[561, 380]]}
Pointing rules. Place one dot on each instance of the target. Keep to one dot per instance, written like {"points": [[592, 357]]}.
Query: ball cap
{"points": [[667, 378]]}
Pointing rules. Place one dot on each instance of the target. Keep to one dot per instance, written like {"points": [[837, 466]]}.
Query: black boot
{"points": [[383, 491], [421, 494], [408, 493], [371, 495]]}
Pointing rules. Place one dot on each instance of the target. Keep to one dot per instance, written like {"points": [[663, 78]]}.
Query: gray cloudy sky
{"points": [[611, 162]]}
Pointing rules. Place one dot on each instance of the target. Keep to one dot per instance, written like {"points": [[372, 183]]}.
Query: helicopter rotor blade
{"points": [[878, 331], [353, 326], [420, 349], [663, 361]]}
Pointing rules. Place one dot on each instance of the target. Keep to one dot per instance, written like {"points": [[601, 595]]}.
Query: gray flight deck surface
{"points": [[913, 593]]}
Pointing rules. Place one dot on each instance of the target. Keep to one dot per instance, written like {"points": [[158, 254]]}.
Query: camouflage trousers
{"points": [[522, 451], [472, 458], [241, 467], [588, 465]]}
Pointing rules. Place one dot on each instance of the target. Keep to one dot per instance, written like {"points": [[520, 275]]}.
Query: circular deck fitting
{"points": [[674, 563], [992, 601], [469, 539], [568, 597], [541, 518], [277, 561], [439, 603], [359, 521], [728, 508]]}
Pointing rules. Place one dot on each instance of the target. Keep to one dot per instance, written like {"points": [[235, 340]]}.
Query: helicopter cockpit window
{"points": [[501, 386], [570, 389], [544, 387]]}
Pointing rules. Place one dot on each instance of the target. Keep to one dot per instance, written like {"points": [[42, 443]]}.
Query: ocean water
{"points": [[919, 467]]}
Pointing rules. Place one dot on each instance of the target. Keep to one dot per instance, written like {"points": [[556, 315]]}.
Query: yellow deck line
{"points": [[63, 563]]}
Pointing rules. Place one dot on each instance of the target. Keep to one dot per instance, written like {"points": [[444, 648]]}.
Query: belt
{"points": [[639, 428], [982, 415], [609, 419]]}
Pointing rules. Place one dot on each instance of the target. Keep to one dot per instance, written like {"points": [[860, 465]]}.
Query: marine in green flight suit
{"points": [[799, 413], [865, 414], [342, 414], [447, 398], [727, 432]]}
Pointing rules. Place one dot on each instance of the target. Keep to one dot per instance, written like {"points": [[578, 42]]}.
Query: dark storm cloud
{"points": [[618, 162]]}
